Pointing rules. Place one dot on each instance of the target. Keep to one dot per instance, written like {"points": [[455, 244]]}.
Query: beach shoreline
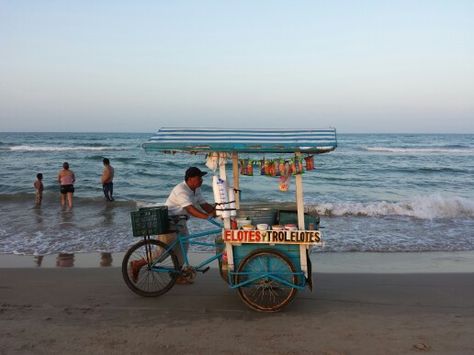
{"points": [[328, 262]]}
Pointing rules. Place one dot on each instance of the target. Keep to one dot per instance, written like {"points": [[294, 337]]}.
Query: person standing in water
{"points": [[107, 180], [38, 184], [66, 179]]}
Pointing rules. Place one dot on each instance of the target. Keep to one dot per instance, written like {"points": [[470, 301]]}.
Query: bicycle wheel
{"points": [[149, 269], [266, 293]]}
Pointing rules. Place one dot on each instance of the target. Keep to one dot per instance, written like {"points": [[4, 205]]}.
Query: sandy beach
{"points": [[89, 309]]}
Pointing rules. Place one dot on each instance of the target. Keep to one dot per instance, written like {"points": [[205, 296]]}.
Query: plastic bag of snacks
{"points": [[262, 167], [285, 176], [250, 167], [284, 183], [309, 162], [243, 166], [299, 165], [277, 167]]}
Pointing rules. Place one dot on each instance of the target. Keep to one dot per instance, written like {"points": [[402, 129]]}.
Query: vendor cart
{"points": [[266, 262]]}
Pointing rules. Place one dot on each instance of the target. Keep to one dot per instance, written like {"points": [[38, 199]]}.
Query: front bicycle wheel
{"points": [[267, 277], [149, 269]]}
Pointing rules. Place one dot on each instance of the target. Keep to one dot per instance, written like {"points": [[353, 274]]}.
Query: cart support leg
{"points": [[299, 197], [300, 210]]}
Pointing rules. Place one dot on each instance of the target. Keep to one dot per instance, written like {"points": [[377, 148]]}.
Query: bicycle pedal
{"points": [[204, 270]]}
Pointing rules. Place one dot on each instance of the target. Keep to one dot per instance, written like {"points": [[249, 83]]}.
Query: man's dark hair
{"points": [[39, 176], [106, 161]]}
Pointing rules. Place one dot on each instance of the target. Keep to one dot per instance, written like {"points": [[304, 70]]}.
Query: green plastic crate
{"points": [[150, 221]]}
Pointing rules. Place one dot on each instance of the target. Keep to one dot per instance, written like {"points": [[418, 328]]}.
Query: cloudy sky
{"points": [[135, 66]]}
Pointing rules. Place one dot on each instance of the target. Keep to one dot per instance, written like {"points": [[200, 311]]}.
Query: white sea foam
{"points": [[435, 206], [400, 150], [30, 148]]}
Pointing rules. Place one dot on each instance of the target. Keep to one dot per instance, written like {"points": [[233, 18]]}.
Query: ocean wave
{"points": [[430, 207], [30, 148], [430, 150]]}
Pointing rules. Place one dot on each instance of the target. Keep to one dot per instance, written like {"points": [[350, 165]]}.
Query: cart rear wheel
{"points": [[149, 269], [270, 275]]}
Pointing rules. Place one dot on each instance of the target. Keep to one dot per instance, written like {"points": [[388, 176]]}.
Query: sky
{"points": [[135, 66]]}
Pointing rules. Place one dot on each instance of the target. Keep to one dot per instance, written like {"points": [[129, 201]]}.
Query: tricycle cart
{"points": [[267, 263]]}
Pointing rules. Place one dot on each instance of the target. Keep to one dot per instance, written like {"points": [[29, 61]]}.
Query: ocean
{"points": [[374, 193]]}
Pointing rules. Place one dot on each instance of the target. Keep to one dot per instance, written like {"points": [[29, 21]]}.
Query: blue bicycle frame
{"points": [[182, 240]]}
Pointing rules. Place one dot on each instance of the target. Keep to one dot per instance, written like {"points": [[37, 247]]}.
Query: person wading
{"points": [[66, 179], [107, 180]]}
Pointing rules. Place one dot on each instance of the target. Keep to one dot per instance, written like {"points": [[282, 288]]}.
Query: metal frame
{"points": [[188, 239]]}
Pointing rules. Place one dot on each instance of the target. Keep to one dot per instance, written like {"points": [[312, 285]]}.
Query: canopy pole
{"points": [[235, 171], [300, 210], [299, 196], [223, 176], [227, 225]]}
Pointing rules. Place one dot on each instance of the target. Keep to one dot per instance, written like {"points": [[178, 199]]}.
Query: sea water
{"points": [[375, 192]]}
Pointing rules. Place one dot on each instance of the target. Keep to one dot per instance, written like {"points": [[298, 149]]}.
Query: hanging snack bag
{"points": [[287, 169], [243, 167], [292, 167], [250, 167], [284, 185], [285, 178], [262, 167], [277, 167], [309, 162], [271, 168], [267, 167], [281, 167], [299, 165]]}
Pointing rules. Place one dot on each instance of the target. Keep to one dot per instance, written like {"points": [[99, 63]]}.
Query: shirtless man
{"points": [[106, 179]]}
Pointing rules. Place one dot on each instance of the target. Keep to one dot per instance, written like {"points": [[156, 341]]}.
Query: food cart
{"points": [[266, 262]]}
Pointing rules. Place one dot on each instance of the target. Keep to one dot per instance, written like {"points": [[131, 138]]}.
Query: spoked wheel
{"points": [[270, 275], [149, 269]]}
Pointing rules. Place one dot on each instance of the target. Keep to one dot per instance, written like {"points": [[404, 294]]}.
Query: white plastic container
{"points": [[242, 222], [230, 193], [219, 188]]}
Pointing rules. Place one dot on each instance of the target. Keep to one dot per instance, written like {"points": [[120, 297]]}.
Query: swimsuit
{"points": [[67, 188]]}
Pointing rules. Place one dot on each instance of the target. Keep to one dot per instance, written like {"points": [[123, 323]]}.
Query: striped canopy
{"points": [[243, 140]]}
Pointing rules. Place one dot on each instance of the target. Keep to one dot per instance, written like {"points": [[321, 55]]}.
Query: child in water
{"points": [[38, 184]]}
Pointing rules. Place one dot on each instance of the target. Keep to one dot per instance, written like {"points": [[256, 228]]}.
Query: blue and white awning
{"points": [[243, 140]]}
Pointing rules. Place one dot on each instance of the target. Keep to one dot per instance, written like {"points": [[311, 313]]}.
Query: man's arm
{"points": [[209, 209], [193, 211]]}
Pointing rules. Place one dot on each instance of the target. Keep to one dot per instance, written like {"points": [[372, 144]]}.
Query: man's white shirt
{"points": [[182, 196]]}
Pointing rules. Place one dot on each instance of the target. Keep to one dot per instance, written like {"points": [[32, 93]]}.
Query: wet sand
{"points": [[80, 310], [328, 262]]}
